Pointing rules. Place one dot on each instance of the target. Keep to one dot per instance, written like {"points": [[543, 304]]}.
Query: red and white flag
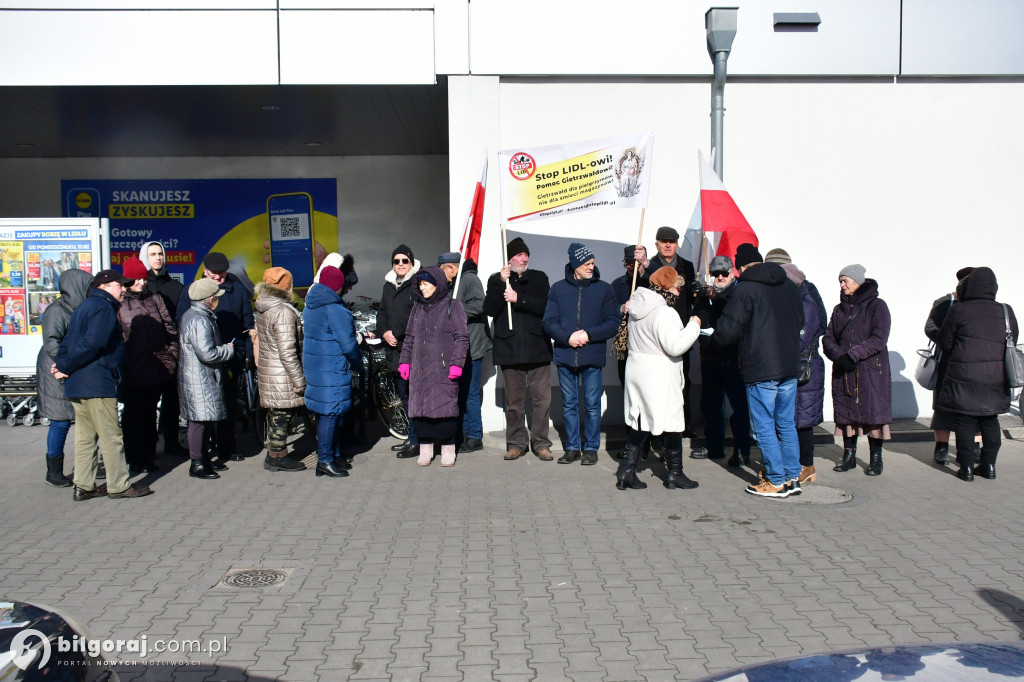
{"points": [[719, 213], [470, 246]]}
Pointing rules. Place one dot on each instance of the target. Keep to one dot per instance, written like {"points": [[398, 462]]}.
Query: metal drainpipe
{"points": [[718, 109]]}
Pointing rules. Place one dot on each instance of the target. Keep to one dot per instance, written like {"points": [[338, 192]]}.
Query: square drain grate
{"points": [[255, 578]]}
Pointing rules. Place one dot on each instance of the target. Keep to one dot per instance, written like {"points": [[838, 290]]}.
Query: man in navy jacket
{"points": [[91, 360], [581, 315]]}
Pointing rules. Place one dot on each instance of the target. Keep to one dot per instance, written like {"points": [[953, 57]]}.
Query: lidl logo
{"points": [[83, 200]]}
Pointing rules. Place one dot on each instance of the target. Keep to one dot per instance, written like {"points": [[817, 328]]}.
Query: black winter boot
{"points": [[200, 469], [55, 472], [674, 477], [875, 451], [942, 453], [626, 475]]}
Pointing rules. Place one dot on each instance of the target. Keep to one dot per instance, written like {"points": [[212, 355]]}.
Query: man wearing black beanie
{"points": [[522, 350], [764, 318]]}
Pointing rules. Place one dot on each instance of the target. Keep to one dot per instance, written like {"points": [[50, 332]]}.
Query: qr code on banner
{"points": [[291, 227]]}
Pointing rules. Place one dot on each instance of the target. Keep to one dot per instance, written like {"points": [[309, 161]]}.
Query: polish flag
{"points": [[470, 246], [719, 213]]}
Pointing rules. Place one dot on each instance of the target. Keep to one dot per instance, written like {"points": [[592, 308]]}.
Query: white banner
{"points": [[541, 182]]}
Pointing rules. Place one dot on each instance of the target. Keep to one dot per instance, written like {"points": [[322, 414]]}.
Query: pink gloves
{"points": [[403, 371], [454, 372]]}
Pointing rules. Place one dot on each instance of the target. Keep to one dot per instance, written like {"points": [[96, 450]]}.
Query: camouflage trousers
{"points": [[279, 424]]}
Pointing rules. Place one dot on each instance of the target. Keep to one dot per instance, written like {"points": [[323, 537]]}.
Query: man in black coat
{"points": [[720, 374], [623, 288], [91, 360], [234, 316], [522, 350], [666, 240], [764, 319], [161, 282]]}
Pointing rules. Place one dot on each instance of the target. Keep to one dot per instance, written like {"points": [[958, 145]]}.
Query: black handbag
{"points": [[1013, 360], [805, 366]]}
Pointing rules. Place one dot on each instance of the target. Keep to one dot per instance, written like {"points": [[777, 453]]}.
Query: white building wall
{"points": [[897, 177]]}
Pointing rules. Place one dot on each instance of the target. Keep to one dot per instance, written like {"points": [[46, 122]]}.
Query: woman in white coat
{"points": [[657, 340]]}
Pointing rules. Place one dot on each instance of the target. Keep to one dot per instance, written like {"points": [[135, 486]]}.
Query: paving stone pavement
{"points": [[521, 570]]}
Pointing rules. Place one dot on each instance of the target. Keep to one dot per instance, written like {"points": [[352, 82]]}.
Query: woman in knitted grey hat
{"points": [[856, 343]]}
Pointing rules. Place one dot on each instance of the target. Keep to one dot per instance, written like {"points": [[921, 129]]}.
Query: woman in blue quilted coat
{"points": [[329, 354], [856, 342], [433, 355]]}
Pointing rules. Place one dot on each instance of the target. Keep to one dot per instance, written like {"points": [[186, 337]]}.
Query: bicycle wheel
{"points": [[389, 405]]}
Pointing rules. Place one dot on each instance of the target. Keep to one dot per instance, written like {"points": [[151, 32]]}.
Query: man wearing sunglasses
{"points": [[720, 374], [392, 318]]}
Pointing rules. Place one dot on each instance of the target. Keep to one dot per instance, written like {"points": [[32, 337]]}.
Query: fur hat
{"points": [[278, 277], [348, 268], [332, 278], [746, 254], [134, 268], [856, 272], [664, 277]]}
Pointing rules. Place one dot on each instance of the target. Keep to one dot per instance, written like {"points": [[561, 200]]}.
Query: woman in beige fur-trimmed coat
{"points": [[657, 341], [279, 368]]}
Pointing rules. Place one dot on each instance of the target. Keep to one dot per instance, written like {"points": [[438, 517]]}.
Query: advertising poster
{"points": [[257, 224], [31, 262], [541, 182]]}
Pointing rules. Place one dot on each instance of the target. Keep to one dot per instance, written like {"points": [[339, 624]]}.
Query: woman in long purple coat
{"points": [[810, 397], [433, 354], [856, 343]]}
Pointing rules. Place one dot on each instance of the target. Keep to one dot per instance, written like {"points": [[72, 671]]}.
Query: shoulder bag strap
{"points": [[1009, 332]]}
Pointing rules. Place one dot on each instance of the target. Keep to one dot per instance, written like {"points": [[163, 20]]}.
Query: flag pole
{"points": [[639, 243], [508, 284], [703, 241]]}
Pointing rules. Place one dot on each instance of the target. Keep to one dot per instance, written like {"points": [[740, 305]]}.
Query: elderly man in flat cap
{"points": [[91, 361]]}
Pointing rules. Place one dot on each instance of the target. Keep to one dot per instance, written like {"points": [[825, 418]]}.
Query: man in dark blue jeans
{"points": [[764, 319], [581, 315]]}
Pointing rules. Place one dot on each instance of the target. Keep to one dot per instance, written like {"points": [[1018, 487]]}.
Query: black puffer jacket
{"points": [[52, 403], [526, 343], [973, 335], [764, 318]]}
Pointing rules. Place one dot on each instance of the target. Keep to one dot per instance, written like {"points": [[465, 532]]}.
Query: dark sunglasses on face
{"points": [[400, 261], [720, 274]]}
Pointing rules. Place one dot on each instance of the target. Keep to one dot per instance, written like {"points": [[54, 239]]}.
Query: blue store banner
{"points": [[289, 223]]}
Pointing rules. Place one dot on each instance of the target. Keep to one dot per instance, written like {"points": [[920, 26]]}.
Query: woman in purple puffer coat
{"points": [[433, 354], [856, 342]]}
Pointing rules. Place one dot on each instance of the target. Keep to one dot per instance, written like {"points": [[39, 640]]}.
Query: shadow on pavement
{"points": [[1008, 605]]}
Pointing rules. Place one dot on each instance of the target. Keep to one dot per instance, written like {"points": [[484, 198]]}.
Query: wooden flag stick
{"points": [[639, 242], [508, 284]]}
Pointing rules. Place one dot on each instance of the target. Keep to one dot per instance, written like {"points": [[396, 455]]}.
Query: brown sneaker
{"points": [[134, 490], [513, 453], [764, 488], [545, 455], [807, 475]]}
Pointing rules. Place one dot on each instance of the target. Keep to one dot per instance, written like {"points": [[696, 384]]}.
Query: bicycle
{"points": [[378, 383]]}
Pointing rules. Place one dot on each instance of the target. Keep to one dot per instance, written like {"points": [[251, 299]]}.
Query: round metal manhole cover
{"points": [[819, 494], [254, 578]]}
